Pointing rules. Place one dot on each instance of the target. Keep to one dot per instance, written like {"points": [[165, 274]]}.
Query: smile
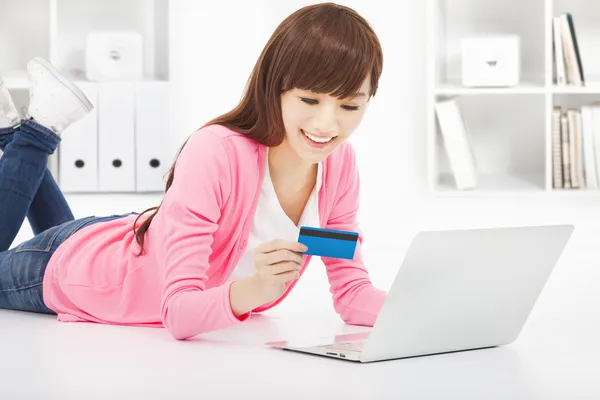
{"points": [[317, 139]]}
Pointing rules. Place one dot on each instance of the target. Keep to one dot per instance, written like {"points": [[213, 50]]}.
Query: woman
{"points": [[223, 242]]}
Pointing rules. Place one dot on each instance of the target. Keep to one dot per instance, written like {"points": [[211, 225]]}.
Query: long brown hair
{"points": [[325, 48]]}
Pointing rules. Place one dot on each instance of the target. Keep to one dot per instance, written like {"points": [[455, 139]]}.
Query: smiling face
{"points": [[316, 123]]}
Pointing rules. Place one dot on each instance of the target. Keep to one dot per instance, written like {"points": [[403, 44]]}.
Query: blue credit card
{"points": [[328, 242]]}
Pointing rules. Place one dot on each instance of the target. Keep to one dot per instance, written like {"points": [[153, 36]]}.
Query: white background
{"points": [[213, 48], [209, 75]]}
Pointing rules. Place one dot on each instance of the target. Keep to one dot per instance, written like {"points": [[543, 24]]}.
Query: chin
{"points": [[313, 158]]}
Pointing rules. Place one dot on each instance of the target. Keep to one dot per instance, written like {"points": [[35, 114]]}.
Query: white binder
{"points": [[116, 137], [151, 135], [78, 150]]}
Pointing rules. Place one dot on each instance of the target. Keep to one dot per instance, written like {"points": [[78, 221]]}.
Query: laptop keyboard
{"points": [[347, 346]]}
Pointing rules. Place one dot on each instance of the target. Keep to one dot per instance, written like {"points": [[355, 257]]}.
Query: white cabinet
{"points": [[57, 31], [510, 128]]}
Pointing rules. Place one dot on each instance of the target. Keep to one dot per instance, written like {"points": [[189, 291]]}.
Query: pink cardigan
{"points": [[195, 242]]}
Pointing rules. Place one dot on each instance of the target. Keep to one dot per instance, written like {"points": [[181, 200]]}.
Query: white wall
{"points": [[213, 49], [215, 45]]}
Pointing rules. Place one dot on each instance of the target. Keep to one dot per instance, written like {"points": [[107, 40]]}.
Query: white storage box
{"points": [[491, 61], [114, 56]]}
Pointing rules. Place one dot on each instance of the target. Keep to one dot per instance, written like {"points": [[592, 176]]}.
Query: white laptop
{"points": [[456, 290]]}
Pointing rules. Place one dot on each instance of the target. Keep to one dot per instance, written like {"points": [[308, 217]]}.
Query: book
{"points": [[566, 150], [575, 149], [576, 47], [560, 77], [589, 156], [457, 143], [574, 70], [557, 163], [595, 111]]}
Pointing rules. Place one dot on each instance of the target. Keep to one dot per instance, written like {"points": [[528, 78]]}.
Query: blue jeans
{"points": [[28, 190]]}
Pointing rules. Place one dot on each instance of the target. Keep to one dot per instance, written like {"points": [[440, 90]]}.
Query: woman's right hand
{"points": [[277, 262]]}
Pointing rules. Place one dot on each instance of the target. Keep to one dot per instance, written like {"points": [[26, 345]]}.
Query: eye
{"points": [[350, 108], [309, 101]]}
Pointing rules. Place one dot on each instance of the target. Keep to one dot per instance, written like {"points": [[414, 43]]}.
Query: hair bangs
{"points": [[333, 57]]}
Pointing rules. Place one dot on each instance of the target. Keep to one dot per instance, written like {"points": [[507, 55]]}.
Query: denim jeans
{"points": [[28, 190]]}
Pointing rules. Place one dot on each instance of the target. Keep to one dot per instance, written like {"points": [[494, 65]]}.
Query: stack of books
{"points": [[576, 147], [568, 69]]}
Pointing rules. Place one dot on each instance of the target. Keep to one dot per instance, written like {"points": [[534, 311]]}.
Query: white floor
{"points": [[555, 357]]}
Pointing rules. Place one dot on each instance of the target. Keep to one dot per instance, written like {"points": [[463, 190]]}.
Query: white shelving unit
{"points": [[510, 128], [57, 29]]}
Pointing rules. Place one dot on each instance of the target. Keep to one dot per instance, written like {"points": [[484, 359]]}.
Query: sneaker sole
{"points": [[85, 102]]}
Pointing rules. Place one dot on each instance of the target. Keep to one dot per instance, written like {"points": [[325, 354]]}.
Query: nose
{"points": [[325, 121]]}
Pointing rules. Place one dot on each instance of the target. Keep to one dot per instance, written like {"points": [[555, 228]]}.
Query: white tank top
{"points": [[270, 222]]}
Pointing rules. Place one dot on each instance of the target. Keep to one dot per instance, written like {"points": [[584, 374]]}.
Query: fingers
{"points": [[282, 256], [287, 276], [279, 261], [283, 267], [280, 244]]}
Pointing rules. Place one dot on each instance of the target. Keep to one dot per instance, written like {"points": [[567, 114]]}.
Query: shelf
{"points": [[57, 30], [456, 89], [455, 20], [451, 88], [508, 130], [494, 185], [16, 80], [76, 19], [505, 133], [148, 79], [24, 33], [574, 193], [20, 80], [506, 185], [589, 88]]}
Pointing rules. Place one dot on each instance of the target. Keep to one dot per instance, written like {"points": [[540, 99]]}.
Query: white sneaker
{"points": [[54, 101], [9, 116]]}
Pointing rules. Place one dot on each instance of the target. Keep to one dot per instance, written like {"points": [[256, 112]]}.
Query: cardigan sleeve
{"points": [[355, 298], [193, 204]]}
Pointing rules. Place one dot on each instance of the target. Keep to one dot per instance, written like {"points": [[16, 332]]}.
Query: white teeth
{"points": [[317, 139]]}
